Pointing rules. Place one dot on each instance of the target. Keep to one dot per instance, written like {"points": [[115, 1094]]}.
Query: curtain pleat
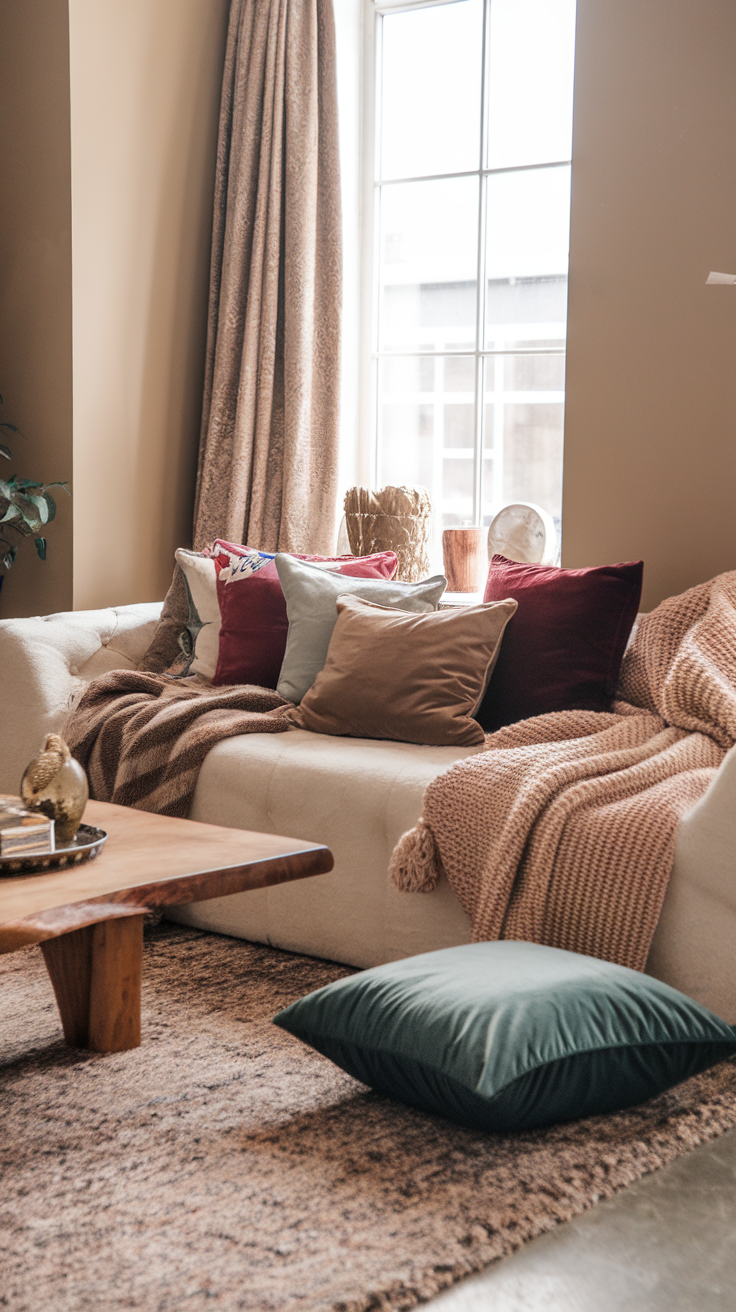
{"points": [[269, 444]]}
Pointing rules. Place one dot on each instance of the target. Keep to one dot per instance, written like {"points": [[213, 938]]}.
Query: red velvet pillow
{"points": [[254, 625], [563, 648]]}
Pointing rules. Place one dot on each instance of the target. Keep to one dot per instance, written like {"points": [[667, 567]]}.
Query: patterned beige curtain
{"points": [[268, 450]]}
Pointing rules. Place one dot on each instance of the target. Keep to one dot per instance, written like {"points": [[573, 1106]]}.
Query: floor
{"points": [[666, 1244]]}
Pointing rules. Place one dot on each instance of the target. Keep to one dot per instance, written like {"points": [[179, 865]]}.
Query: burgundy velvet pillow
{"points": [[254, 625], [563, 648]]}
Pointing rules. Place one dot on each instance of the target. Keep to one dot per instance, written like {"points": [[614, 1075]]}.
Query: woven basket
{"points": [[394, 519]]}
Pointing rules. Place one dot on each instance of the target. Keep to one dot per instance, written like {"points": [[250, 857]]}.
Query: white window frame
{"points": [[367, 454]]}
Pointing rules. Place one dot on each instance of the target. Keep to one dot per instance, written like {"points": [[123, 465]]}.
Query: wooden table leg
{"points": [[96, 974]]}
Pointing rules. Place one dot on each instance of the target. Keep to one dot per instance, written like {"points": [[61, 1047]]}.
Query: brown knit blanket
{"points": [[143, 737], [562, 830]]}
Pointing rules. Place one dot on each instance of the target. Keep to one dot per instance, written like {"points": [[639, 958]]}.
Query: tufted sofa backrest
{"points": [[45, 661]]}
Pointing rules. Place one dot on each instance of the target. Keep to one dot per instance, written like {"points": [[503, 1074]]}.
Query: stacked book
{"points": [[22, 832]]}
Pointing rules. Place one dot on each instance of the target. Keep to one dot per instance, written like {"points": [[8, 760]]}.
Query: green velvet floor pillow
{"points": [[510, 1036]]}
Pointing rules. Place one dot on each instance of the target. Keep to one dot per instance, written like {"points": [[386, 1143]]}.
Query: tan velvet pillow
{"points": [[415, 678]]}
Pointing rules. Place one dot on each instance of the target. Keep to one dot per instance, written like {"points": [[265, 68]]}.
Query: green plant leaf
{"points": [[24, 484], [26, 504], [41, 507], [28, 511]]}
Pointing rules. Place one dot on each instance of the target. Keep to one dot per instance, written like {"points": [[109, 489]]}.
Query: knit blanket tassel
{"points": [[416, 864]]}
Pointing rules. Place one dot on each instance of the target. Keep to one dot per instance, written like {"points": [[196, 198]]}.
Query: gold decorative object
{"points": [[393, 519], [56, 784]]}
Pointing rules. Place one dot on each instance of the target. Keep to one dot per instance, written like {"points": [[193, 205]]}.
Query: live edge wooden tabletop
{"points": [[88, 919], [151, 861]]}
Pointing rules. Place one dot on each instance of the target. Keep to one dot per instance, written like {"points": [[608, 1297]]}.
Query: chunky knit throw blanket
{"points": [[143, 737], [562, 829]]}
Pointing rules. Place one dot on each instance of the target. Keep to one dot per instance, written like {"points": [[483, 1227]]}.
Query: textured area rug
{"points": [[224, 1164]]}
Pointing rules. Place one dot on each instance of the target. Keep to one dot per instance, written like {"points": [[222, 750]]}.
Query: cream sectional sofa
{"points": [[357, 796]]}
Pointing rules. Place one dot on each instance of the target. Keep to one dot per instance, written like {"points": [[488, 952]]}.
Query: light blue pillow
{"points": [[311, 594], [510, 1036]]}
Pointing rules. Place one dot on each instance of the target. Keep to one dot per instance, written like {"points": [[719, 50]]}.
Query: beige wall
{"points": [[650, 455], [650, 437], [145, 87], [35, 282]]}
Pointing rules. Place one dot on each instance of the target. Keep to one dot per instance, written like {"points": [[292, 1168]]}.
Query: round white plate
{"points": [[523, 532]]}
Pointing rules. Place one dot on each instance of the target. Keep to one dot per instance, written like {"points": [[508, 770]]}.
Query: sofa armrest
{"points": [[45, 660], [705, 852], [692, 948]]}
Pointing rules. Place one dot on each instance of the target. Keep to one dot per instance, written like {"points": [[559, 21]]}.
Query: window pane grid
{"points": [[438, 300], [472, 173], [512, 350]]}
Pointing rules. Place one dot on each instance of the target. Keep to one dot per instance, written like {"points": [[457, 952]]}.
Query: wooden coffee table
{"points": [[88, 919]]}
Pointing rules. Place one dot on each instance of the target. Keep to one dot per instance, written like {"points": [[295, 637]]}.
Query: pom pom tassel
{"points": [[416, 865]]}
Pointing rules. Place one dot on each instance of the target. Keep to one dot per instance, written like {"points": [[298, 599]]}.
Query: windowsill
{"points": [[451, 600]]}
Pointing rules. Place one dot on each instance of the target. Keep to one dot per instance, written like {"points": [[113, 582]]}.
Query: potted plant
{"points": [[26, 507]]}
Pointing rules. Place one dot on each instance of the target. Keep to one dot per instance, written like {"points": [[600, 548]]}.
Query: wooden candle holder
{"points": [[466, 559]]}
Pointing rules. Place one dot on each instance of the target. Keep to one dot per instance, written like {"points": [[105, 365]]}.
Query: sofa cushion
{"points": [[164, 648], [171, 644], [203, 621], [563, 649], [358, 796], [311, 604], [510, 1036], [253, 620], [416, 678], [183, 618], [234, 551]]}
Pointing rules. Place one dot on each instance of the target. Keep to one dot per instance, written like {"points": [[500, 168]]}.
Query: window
{"points": [[472, 199]]}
